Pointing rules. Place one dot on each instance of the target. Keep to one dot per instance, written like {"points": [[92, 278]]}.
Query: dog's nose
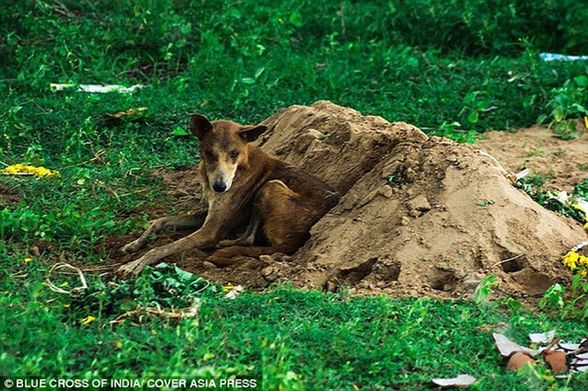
{"points": [[219, 187]]}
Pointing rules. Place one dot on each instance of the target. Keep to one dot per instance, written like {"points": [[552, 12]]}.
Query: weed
{"points": [[536, 153], [485, 288], [533, 185], [452, 131], [163, 287], [568, 304], [397, 179], [567, 105], [485, 203]]}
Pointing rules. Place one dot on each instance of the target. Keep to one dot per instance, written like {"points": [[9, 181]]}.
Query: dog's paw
{"points": [[133, 268]]}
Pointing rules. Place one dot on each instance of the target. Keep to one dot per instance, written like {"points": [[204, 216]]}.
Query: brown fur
{"points": [[243, 185]]}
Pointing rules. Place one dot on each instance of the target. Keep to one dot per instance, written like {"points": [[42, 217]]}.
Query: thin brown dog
{"points": [[243, 185]]}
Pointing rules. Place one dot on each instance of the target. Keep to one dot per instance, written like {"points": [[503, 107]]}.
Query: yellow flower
{"points": [[229, 287], [19, 169], [87, 320], [571, 260], [27, 260]]}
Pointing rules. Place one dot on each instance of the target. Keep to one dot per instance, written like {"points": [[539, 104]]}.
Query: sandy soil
{"points": [[562, 163]]}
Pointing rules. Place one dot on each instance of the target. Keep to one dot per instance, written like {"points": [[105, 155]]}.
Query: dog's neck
{"points": [[258, 165]]}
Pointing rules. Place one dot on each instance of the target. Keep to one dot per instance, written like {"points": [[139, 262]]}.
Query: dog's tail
{"points": [[229, 255]]}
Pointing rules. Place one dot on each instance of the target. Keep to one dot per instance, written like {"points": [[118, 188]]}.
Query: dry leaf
{"points": [[130, 112], [459, 381], [580, 361]]}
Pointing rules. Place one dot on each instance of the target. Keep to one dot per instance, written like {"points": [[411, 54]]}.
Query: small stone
{"points": [[410, 174], [270, 273], [266, 258], [414, 213], [315, 133], [419, 203], [405, 220], [330, 286], [208, 265], [386, 191]]}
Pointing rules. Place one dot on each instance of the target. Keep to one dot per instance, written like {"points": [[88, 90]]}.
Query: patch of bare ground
{"points": [[563, 163]]}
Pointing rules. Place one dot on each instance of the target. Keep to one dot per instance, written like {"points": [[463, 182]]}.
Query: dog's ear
{"points": [[199, 125], [251, 133]]}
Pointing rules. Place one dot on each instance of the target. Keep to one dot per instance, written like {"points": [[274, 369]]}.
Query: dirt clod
{"points": [[418, 206]]}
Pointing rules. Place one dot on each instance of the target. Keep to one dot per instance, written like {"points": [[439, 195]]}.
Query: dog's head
{"points": [[223, 148]]}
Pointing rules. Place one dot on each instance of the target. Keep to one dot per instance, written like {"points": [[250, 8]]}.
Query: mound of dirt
{"points": [[418, 215]]}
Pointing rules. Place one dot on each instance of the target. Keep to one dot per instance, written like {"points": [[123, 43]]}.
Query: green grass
{"points": [[283, 337], [420, 62]]}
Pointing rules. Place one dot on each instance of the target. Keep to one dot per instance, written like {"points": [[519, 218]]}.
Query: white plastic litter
{"points": [[459, 381], [561, 57], [521, 174], [95, 88]]}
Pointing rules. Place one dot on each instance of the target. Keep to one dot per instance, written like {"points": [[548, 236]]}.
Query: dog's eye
{"points": [[209, 153], [234, 154]]}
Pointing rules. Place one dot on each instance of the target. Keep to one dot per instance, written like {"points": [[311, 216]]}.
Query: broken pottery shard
{"points": [[542, 337], [459, 381], [556, 361], [568, 347], [519, 360], [506, 347]]}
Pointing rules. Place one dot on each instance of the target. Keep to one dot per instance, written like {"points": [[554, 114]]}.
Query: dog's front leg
{"points": [[204, 237], [165, 223], [219, 221]]}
